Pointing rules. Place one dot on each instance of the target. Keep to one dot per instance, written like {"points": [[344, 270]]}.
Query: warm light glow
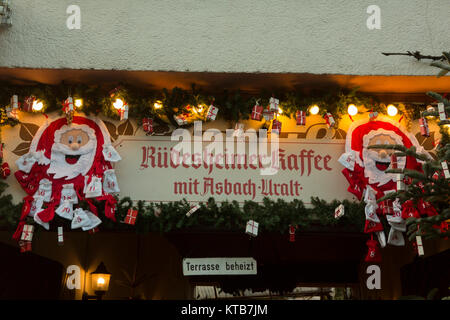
{"points": [[352, 110], [118, 104], [392, 110], [199, 108], [157, 105], [280, 111], [100, 281], [314, 109], [37, 106], [78, 103]]}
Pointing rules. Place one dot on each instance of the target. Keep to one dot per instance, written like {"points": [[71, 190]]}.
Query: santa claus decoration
{"points": [[367, 176], [64, 168]]}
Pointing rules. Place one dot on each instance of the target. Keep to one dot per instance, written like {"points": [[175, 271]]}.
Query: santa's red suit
{"points": [[56, 186], [365, 171]]}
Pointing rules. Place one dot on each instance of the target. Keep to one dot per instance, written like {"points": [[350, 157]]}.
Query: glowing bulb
{"points": [[100, 281], [37, 106], [157, 105], [352, 110], [314, 109], [199, 108], [392, 110], [118, 104], [280, 111], [78, 103]]}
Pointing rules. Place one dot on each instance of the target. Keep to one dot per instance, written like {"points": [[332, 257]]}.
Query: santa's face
{"points": [[377, 161], [73, 151]]}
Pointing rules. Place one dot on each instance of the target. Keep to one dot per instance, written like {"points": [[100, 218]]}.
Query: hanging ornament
{"points": [[329, 119], [268, 114], [110, 184], [273, 104], [147, 125], [25, 246], [5, 171], [28, 103], [441, 110], [373, 253], [252, 228], [238, 130], [123, 112], [399, 177], [292, 230], [257, 112], [181, 119], [424, 129], [12, 111], [301, 118], [68, 109], [373, 115], [93, 186], [80, 219], [386, 207], [131, 216], [192, 210], [212, 113], [27, 233], [419, 246], [276, 126], [445, 169], [339, 211], [60, 236]]}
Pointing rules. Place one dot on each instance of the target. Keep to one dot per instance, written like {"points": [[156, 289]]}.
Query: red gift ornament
{"points": [[424, 129], [276, 126], [6, 171], [147, 125], [292, 233], [131, 216], [373, 253], [68, 105], [329, 119], [372, 226], [301, 118], [394, 163], [386, 207], [28, 104], [257, 112], [409, 210], [25, 246]]}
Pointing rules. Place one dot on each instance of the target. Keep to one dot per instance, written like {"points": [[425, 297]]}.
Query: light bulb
{"points": [[37, 106], [314, 109], [101, 280], [199, 108], [352, 110], [280, 111], [118, 104], [78, 103], [157, 105], [392, 110]]}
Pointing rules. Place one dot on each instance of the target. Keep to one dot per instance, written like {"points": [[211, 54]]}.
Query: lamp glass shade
{"points": [[100, 279]]}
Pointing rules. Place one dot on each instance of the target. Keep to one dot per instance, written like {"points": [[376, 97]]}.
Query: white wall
{"points": [[313, 36]]}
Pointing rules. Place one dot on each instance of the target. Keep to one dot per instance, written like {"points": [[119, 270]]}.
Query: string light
{"points": [[37, 105], [314, 109], [352, 110], [158, 104], [118, 104], [78, 103], [392, 110], [280, 111]]}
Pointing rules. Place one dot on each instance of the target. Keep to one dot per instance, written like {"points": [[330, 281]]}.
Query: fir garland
{"points": [[272, 216], [233, 106]]}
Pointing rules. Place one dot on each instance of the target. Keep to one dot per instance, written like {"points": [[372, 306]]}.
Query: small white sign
{"points": [[218, 266]]}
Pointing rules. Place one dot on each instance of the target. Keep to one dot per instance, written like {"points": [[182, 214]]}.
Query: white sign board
{"points": [[218, 266]]}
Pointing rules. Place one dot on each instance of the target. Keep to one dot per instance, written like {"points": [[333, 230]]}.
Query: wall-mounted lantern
{"points": [[99, 282]]}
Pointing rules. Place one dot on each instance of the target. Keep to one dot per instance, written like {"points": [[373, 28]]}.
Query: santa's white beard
{"points": [[375, 175], [59, 166]]}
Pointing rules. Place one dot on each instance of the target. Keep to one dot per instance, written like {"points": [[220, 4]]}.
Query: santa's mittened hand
{"points": [[26, 162]]}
